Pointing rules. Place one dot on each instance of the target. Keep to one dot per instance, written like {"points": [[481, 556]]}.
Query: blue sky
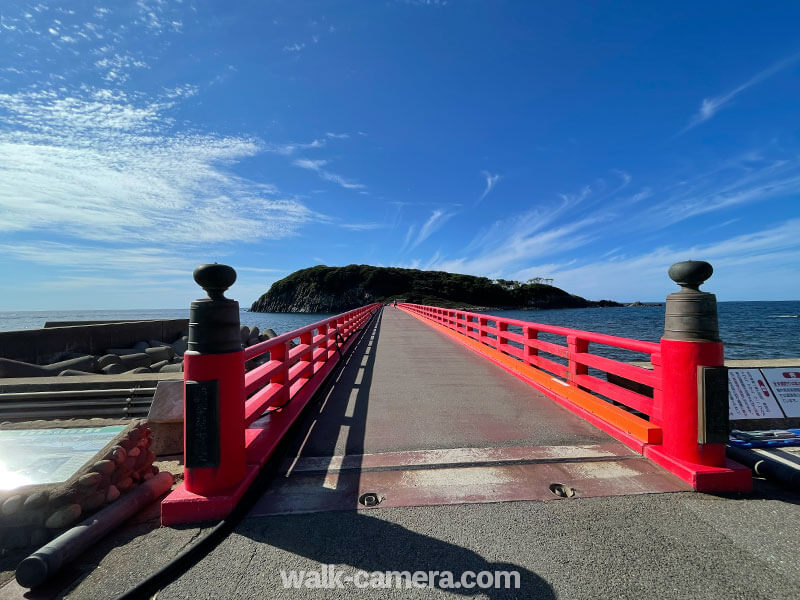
{"points": [[591, 142]]}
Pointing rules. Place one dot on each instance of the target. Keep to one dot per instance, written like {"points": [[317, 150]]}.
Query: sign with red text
{"points": [[785, 384], [750, 397]]}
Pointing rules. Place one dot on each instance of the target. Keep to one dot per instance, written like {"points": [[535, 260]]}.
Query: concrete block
{"points": [[167, 406], [16, 368], [73, 373], [180, 345], [159, 353], [121, 351], [176, 368], [39, 346], [86, 363], [139, 370], [156, 367], [114, 369], [140, 359], [107, 359]]}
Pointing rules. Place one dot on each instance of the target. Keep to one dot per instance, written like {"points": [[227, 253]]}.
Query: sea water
{"points": [[749, 329]]}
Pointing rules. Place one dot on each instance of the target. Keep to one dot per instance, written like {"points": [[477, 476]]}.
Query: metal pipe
{"points": [[766, 467], [47, 560], [120, 411], [12, 396]]}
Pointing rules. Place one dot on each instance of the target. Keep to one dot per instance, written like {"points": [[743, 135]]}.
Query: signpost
{"points": [[772, 393], [750, 396], [785, 384]]}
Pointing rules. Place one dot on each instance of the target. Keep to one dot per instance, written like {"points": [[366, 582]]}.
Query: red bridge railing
{"points": [[256, 409], [295, 358], [658, 412], [561, 366], [526, 346]]}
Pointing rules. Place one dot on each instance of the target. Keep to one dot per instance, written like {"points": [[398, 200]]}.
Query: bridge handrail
{"points": [[240, 440], [256, 350], [576, 352], [277, 381]]}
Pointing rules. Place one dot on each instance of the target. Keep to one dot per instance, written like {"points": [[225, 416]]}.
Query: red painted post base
{"points": [[730, 477], [182, 506]]}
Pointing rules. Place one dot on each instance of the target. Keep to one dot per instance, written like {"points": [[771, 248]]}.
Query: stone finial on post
{"points": [[691, 314], [691, 341], [214, 442]]}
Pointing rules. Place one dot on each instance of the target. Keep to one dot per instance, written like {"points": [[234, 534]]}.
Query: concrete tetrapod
{"points": [[46, 562]]}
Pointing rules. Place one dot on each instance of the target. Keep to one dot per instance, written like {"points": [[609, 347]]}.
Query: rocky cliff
{"points": [[337, 289]]}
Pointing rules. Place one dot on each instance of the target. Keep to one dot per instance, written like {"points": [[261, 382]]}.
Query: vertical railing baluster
{"points": [[576, 346], [530, 333], [501, 326]]}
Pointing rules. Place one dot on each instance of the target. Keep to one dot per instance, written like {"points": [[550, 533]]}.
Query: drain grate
{"points": [[561, 490]]}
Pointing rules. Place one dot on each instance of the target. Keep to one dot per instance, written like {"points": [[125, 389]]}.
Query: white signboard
{"points": [[785, 384], [749, 396]]}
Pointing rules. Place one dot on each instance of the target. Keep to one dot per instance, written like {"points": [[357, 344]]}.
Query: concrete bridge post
{"points": [[691, 341], [214, 396]]}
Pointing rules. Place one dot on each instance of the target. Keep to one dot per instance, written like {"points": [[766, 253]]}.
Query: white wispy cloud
{"points": [[748, 179], [769, 256], [43, 36], [317, 167], [491, 181], [361, 226], [158, 16], [434, 223], [107, 166], [555, 229], [118, 66], [513, 242], [296, 47], [710, 106], [92, 258], [409, 237], [290, 148]]}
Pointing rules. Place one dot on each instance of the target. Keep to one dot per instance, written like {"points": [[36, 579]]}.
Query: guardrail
{"points": [[295, 358], [682, 426], [235, 418], [562, 365], [497, 332]]}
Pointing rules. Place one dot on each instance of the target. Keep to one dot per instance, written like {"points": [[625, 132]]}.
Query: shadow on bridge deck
{"points": [[417, 419]]}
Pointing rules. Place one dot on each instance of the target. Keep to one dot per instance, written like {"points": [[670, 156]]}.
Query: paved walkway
{"points": [[418, 419]]}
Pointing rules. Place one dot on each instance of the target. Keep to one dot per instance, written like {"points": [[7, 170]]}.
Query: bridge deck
{"points": [[419, 419], [399, 424]]}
